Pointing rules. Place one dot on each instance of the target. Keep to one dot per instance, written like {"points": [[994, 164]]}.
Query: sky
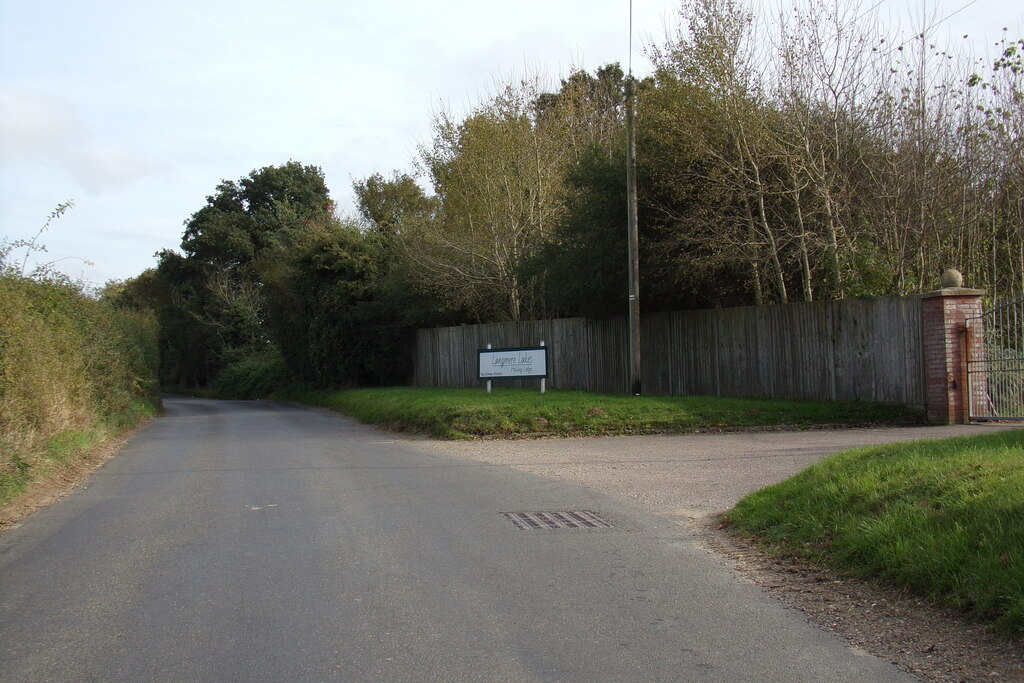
{"points": [[137, 110]]}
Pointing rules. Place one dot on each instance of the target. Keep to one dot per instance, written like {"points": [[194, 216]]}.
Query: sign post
{"points": [[488, 381], [544, 379], [530, 362]]}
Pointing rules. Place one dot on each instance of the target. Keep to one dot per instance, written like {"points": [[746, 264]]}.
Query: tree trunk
{"points": [[805, 258], [833, 245], [762, 215], [752, 242]]}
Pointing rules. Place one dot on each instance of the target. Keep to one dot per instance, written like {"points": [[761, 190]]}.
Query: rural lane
{"points": [[262, 542]]}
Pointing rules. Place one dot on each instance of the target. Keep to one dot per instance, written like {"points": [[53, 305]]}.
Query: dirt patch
{"points": [[932, 642], [63, 479]]}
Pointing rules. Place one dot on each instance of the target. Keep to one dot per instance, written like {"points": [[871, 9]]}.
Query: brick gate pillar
{"points": [[945, 368]]}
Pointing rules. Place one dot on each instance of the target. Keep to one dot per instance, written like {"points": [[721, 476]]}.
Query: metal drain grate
{"points": [[561, 519]]}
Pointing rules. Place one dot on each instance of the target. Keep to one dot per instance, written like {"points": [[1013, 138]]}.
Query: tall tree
{"points": [[389, 204], [718, 110], [211, 301], [582, 266], [498, 177], [241, 218]]}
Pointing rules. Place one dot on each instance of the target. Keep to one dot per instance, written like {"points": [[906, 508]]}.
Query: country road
{"points": [[261, 542]]}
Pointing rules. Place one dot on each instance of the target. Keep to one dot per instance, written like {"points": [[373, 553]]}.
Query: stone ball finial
{"points": [[950, 278]]}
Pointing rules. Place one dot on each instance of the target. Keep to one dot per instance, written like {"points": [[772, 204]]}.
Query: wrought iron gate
{"points": [[994, 354]]}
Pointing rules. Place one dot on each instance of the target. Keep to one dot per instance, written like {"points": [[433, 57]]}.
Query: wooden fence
{"points": [[855, 349]]}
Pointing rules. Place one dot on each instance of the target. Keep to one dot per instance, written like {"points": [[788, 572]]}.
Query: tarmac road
{"points": [[261, 542]]}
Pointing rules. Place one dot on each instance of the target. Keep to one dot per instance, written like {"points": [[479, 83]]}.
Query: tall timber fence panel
{"points": [[855, 349]]}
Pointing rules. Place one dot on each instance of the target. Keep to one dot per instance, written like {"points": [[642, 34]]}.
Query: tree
{"points": [[241, 219], [713, 106], [211, 300], [388, 205], [998, 99], [824, 93], [815, 155], [498, 177], [191, 352], [589, 109], [582, 267]]}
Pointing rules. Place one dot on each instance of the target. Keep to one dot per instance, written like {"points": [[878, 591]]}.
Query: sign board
{"points": [[521, 363]]}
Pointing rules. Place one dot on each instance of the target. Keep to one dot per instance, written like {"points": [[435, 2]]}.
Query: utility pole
{"points": [[634, 255]]}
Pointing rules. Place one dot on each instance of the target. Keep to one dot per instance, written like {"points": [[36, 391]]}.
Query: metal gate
{"points": [[994, 355]]}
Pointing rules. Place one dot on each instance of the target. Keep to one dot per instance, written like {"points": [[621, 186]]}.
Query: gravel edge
{"points": [[931, 642]]}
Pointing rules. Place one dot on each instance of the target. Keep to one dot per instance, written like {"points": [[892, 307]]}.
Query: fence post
{"points": [[944, 315]]}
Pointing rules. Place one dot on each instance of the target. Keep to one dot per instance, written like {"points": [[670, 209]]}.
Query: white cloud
{"points": [[38, 128], [36, 124]]}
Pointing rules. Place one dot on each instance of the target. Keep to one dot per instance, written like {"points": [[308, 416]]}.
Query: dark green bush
{"points": [[255, 376]]}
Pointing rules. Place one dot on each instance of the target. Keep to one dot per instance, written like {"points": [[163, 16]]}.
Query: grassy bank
{"points": [[65, 449], [510, 413], [944, 519]]}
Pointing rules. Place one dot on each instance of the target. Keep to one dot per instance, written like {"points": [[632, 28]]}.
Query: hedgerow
{"points": [[73, 369]]}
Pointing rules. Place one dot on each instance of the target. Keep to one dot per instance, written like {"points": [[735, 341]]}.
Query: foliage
{"points": [[31, 247], [242, 218], [808, 156], [218, 281], [252, 377], [497, 177], [210, 300], [511, 413], [73, 369], [583, 266], [268, 271], [390, 205], [781, 158], [190, 347], [333, 325], [500, 176], [944, 519]]}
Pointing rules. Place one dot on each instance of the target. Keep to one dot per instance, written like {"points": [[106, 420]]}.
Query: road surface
{"points": [[255, 541]]}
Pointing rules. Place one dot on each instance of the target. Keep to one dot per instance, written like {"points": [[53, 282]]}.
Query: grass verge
{"points": [[512, 413], [944, 519], [65, 449]]}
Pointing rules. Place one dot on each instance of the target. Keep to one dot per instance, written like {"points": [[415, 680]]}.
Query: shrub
{"points": [[257, 375], [69, 364]]}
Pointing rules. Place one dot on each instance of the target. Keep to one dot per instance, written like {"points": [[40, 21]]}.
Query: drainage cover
{"points": [[561, 519]]}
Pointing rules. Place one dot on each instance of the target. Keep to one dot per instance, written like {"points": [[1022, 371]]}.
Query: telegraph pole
{"points": [[634, 255]]}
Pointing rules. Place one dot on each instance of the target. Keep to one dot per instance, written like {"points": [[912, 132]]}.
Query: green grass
{"points": [[14, 479], [513, 413], [944, 519], [60, 449], [66, 448]]}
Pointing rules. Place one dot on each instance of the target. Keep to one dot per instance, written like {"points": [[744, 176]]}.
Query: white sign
{"points": [[522, 363]]}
